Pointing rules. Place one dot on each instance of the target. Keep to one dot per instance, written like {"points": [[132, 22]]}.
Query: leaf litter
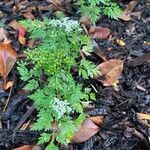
{"points": [[111, 71]]}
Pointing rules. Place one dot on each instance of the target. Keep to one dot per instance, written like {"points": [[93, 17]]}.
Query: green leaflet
{"points": [[94, 8]]}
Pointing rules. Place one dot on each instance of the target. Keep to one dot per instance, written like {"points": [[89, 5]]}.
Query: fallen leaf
{"points": [[98, 32], [22, 31], [8, 85], [25, 147], [22, 40], [111, 71], [143, 116], [8, 58], [3, 35], [28, 147], [29, 15], [120, 42], [17, 26], [126, 15], [98, 120], [85, 132]]}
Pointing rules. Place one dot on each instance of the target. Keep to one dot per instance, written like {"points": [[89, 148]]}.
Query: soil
{"points": [[122, 130]]}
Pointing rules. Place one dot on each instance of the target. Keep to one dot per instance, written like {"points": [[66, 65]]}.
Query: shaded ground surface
{"points": [[122, 130]]}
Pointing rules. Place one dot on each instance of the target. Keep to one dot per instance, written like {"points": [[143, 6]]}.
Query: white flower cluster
{"points": [[67, 24], [61, 107]]}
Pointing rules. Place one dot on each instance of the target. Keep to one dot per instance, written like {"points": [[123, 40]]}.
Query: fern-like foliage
{"points": [[94, 8], [59, 95], [87, 69]]}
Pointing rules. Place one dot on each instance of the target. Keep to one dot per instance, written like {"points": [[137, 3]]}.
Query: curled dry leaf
{"points": [[111, 71], [143, 116], [8, 58], [126, 15], [99, 32], [85, 132]]}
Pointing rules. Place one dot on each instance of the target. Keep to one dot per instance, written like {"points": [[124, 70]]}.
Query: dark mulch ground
{"points": [[122, 130]]}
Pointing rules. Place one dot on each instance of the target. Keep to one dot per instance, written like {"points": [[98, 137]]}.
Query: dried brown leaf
{"points": [[85, 132], [126, 15], [24, 147], [22, 31], [8, 58], [98, 32], [28, 147], [111, 71], [15, 25]]}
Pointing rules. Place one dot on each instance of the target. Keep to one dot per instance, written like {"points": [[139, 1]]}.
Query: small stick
{"points": [[94, 88], [24, 126]]}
